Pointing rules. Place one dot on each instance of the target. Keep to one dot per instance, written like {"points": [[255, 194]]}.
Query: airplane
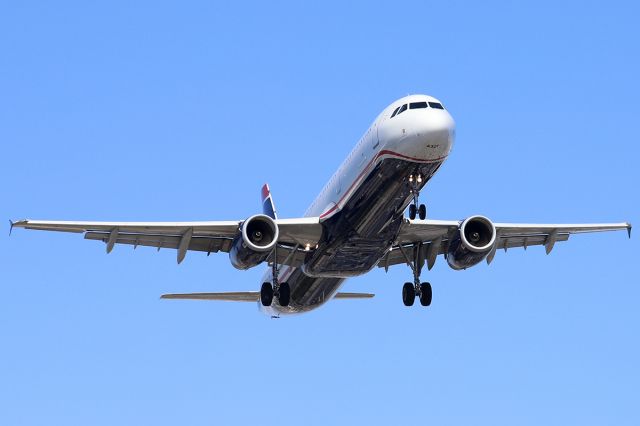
{"points": [[356, 223]]}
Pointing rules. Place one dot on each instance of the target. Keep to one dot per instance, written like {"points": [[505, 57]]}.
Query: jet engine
{"points": [[258, 236], [472, 243]]}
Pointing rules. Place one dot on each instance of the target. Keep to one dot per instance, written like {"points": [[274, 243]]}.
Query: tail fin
{"points": [[268, 207]]}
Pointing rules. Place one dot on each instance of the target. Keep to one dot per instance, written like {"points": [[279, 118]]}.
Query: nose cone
{"points": [[431, 134], [436, 127], [419, 132]]}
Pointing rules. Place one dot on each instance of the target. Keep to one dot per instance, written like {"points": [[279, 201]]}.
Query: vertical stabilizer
{"points": [[268, 207]]}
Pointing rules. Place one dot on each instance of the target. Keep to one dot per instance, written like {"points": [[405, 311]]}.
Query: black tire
{"points": [[266, 294], [284, 294], [412, 211], [426, 294], [422, 212], [408, 294]]}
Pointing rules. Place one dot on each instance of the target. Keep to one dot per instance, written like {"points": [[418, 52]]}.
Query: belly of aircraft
{"points": [[357, 237]]}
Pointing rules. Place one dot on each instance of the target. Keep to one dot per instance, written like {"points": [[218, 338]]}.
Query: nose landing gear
{"points": [[416, 209], [411, 290]]}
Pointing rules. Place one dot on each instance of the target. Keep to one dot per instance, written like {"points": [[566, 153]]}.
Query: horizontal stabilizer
{"points": [[353, 296], [236, 296], [248, 296]]}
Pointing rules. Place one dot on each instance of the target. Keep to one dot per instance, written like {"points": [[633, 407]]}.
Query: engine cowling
{"points": [[472, 244], [258, 236]]}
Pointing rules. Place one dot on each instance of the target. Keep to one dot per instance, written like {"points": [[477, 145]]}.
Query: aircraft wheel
{"points": [[412, 211], [284, 294], [422, 212], [408, 294], [425, 294], [266, 294]]}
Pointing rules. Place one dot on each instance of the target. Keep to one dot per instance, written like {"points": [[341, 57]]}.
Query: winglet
{"points": [[11, 223], [629, 229]]}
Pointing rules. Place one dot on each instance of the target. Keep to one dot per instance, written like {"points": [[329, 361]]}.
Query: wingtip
{"points": [[629, 229], [18, 223]]}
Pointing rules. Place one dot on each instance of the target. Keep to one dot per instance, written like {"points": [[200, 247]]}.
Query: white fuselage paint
{"points": [[415, 135]]}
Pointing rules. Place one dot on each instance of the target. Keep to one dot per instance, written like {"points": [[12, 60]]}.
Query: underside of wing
{"points": [[433, 237], [197, 243], [209, 228], [295, 235]]}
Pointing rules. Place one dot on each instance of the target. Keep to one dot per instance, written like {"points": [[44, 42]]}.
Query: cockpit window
{"points": [[395, 112], [402, 109], [436, 105], [416, 105]]}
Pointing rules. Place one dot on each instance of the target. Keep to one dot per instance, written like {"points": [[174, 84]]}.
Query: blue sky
{"points": [[180, 111]]}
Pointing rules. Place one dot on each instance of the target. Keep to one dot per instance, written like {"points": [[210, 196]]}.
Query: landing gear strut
{"points": [[280, 291], [411, 290], [415, 207]]}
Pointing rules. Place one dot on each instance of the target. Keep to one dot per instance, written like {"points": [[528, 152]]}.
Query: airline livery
{"points": [[356, 223]]}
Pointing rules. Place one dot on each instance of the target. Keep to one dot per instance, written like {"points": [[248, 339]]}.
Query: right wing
{"points": [[434, 236], [210, 237]]}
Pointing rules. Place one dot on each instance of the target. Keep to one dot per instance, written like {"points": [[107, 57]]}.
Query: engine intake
{"points": [[472, 244], [258, 236]]}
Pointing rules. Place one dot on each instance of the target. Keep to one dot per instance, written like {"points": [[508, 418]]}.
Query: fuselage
{"points": [[362, 206]]}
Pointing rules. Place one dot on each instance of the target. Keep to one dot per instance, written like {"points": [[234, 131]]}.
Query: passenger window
{"points": [[394, 112], [436, 105], [416, 105], [402, 109]]}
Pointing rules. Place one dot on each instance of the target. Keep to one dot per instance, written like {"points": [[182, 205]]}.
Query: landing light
{"points": [[307, 247]]}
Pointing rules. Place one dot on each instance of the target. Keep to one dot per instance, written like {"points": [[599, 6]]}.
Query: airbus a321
{"points": [[356, 223]]}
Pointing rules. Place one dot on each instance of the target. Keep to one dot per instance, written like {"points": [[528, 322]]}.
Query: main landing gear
{"points": [[280, 291], [415, 207], [411, 290]]}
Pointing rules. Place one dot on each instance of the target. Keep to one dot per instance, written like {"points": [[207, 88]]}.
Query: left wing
{"points": [[433, 236], [210, 237]]}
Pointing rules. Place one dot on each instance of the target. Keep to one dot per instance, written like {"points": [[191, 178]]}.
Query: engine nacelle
{"points": [[258, 236], [472, 244]]}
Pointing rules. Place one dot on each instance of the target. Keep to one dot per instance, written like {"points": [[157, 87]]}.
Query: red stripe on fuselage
{"points": [[365, 170]]}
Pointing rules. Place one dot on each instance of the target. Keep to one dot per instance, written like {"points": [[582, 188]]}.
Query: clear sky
{"points": [[181, 111]]}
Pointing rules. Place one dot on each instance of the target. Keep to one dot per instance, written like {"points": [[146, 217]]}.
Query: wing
{"points": [[434, 237], [209, 237]]}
